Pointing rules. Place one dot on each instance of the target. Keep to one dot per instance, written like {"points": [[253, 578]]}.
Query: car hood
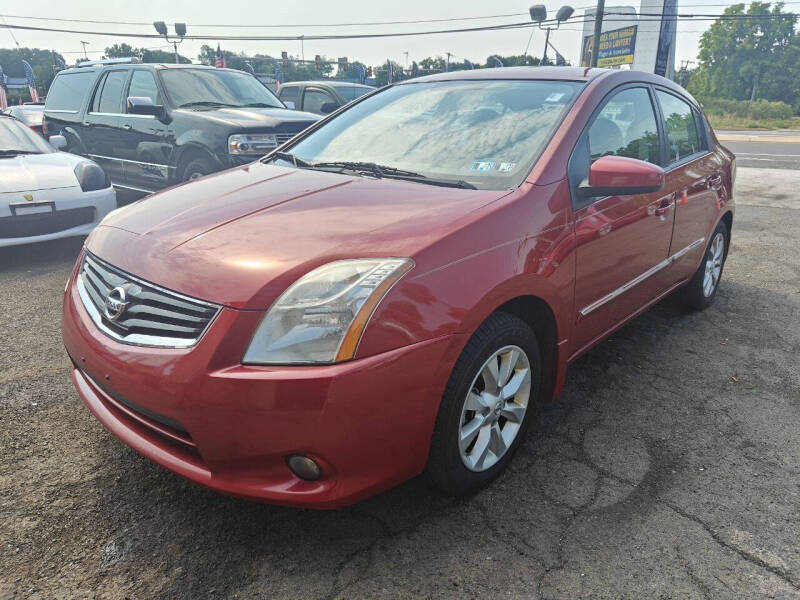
{"points": [[31, 172], [240, 237], [254, 118]]}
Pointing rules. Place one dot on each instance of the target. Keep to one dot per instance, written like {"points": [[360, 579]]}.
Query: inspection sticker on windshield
{"points": [[482, 165], [506, 167]]}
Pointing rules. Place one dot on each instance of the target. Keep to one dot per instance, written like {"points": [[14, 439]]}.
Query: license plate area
{"points": [[19, 209]]}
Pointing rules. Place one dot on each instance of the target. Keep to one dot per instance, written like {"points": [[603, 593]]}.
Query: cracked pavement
{"points": [[668, 468]]}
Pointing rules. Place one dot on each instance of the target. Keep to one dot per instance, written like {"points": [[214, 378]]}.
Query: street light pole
{"points": [[180, 32], [598, 27]]}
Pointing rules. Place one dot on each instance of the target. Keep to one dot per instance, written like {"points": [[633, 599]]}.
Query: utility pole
{"points": [[598, 27], [406, 53], [447, 64], [85, 55]]}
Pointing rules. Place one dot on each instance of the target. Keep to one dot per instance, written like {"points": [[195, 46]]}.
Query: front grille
{"points": [[43, 223], [284, 137], [138, 312]]}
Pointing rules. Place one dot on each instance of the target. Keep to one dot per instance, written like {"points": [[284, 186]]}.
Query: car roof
{"points": [[153, 65], [328, 82], [553, 73]]}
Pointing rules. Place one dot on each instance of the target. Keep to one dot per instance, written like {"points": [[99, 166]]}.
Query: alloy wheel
{"points": [[494, 408], [713, 266]]}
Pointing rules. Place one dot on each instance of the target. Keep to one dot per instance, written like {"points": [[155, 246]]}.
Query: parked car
{"points": [[46, 194], [321, 97], [152, 125], [398, 289], [31, 115]]}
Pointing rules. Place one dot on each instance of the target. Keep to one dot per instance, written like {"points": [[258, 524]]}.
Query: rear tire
{"points": [[701, 290], [197, 168], [487, 406]]}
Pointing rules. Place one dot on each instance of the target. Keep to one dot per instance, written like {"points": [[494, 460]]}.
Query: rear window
{"points": [[68, 91]]}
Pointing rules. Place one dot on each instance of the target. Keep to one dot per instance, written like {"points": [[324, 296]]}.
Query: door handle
{"points": [[715, 181], [664, 206], [126, 127], [86, 124]]}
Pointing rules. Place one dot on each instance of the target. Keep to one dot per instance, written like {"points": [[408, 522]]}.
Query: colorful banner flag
{"points": [[468, 65], [278, 72], [497, 62], [31, 79], [3, 96], [219, 59], [665, 36], [389, 71], [414, 69]]}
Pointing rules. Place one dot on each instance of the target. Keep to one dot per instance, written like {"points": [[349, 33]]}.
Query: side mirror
{"points": [[289, 104], [59, 142], [621, 176], [142, 105], [328, 107]]}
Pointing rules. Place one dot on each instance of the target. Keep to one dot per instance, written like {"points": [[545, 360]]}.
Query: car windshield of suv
{"points": [[16, 138], [211, 87], [482, 132]]}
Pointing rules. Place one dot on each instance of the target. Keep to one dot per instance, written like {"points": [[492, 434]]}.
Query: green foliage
{"points": [[750, 58], [144, 54], [42, 61], [759, 109]]}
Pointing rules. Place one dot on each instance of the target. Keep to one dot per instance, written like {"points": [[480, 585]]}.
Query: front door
{"points": [[102, 124], [622, 242], [146, 143]]}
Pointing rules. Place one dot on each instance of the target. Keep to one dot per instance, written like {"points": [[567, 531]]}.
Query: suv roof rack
{"points": [[109, 61]]}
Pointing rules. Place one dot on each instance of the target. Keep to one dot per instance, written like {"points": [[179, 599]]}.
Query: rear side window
{"points": [[682, 135], [314, 99], [68, 91], [143, 85], [108, 97], [288, 93], [626, 126]]}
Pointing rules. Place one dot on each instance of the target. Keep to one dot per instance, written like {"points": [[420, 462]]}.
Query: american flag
{"points": [[3, 97], [219, 59], [31, 78]]}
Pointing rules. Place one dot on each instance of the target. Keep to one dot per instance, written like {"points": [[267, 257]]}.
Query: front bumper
{"points": [[203, 415], [62, 222]]}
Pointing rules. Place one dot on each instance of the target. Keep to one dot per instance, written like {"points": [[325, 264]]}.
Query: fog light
{"points": [[304, 467]]}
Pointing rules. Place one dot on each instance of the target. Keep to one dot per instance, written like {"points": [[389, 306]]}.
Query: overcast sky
{"points": [[474, 46]]}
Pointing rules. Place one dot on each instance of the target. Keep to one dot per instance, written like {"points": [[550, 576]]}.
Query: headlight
{"points": [[253, 143], [91, 176], [321, 317]]}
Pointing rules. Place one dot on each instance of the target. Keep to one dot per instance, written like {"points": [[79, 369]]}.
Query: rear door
{"points": [[695, 175], [314, 98], [146, 143], [622, 241], [103, 136]]}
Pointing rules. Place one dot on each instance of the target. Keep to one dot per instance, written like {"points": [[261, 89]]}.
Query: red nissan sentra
{"points": [[394, 290]]}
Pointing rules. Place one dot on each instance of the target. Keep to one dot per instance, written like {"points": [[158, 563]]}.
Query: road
{"points": [[669, 468], [763, 149]]}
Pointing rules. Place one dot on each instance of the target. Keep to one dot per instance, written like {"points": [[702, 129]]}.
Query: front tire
{"points": [[487, 405], [197, 168], [701, 290]]}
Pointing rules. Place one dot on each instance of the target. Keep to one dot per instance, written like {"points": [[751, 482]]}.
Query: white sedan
{"points": [[46, 194]]}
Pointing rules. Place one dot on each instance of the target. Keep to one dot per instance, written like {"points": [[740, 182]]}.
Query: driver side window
{"points": [[626, 126]]}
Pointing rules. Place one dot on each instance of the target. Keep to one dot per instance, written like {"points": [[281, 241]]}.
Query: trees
{"points": [[144, 54], [749, 58], [44, 63]]}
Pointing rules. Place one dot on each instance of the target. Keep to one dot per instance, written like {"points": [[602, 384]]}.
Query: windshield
{"points": [[210, 87], [351, 93], [487, 133], [15, 139]]}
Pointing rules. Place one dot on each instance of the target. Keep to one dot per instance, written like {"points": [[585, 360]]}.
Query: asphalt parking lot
{"points": [[670, 468]]}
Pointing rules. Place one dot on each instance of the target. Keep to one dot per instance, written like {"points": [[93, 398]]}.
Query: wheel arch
{"points": [[190, 152]]}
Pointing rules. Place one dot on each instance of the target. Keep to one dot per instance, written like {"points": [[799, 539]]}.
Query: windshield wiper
{"points": [[379, 171], [206, 103], [16, 152], [258, 105]]}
